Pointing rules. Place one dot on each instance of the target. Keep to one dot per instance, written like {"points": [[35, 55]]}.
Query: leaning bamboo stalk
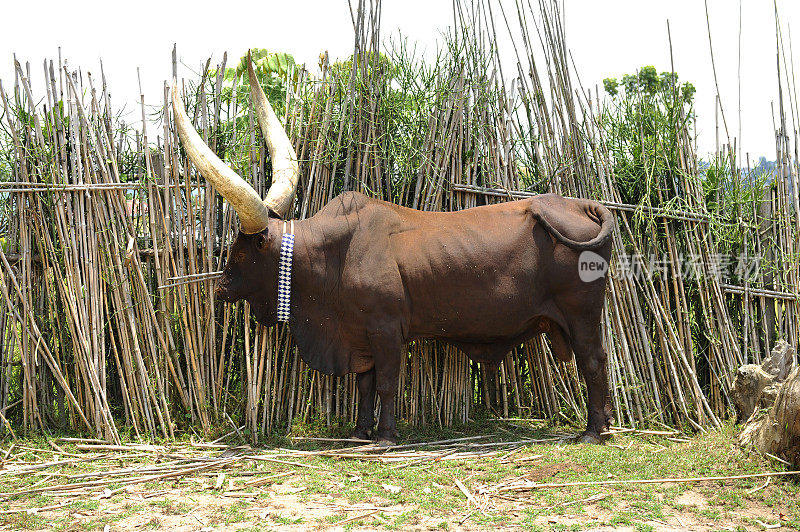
{"points": [[35, 330]]}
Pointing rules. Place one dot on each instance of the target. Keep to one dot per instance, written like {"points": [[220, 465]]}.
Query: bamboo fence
{"points": [[112, 242]]}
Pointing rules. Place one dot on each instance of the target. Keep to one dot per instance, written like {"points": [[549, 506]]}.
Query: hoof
{"points": [[589, 437], [386, 438], [361, 434]]}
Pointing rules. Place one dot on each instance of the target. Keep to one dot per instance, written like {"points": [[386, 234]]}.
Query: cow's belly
{"points": [[474, 306]]}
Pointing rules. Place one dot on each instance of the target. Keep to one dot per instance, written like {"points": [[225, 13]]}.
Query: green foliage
{"points": [[611, 86], [644, 122], [648, 122], [5, 159], [265, 64], [368, 62], [648, 82], [271, 69]]}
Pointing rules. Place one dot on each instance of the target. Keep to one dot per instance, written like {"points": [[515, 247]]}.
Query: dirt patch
{"points": [[183, 510], [551, 470], [288, 506], [691, 498]]}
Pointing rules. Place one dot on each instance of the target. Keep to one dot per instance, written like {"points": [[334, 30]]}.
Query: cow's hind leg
{"points": [[387, 355], [366, 405], [591, 360]]}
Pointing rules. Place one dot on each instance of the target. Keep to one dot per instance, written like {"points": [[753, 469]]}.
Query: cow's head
{"points": [[248, 271]]}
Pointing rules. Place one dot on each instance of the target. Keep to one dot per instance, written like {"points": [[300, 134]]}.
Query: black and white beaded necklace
{"points": [[285, 272]]}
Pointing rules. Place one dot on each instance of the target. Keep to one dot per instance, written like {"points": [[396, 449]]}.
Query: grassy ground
{"points": [[417, 493]]}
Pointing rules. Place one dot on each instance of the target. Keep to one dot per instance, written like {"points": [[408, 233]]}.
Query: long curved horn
{"points": [[285, 170], [253, 213]]}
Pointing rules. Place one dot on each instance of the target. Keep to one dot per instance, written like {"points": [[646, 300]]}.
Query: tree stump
{"points": [[777, 430], [756, 387], [767, 397]]}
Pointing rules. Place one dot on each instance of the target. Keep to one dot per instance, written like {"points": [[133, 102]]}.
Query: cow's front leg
{"points": [[591, 359], [387, 356], [387, 426], [366, 405]]}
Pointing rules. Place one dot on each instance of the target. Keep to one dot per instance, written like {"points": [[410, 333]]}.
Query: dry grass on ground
{"points": [[474, 483]]}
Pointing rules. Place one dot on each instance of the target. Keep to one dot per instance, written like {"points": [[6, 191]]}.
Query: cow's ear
{"points": [[261, 241]]}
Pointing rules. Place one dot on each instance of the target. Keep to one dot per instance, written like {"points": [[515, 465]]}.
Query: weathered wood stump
{"points": [[772, 390], [756, 387]]}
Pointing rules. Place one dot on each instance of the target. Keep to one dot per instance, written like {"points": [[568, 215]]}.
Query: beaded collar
{"points": [[285, 272]]}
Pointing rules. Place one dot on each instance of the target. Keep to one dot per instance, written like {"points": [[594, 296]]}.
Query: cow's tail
{"points": [[593, 209]]}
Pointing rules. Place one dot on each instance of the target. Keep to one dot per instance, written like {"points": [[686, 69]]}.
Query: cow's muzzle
{"points": [[223, 292]]}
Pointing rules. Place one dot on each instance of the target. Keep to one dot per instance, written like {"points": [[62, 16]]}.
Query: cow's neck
{"points": [[300, 264], [312, 320]]}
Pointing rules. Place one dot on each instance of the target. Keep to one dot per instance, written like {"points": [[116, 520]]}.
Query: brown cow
{"points": [[368, 276]]}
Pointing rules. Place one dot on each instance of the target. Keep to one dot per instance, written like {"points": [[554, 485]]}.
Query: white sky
{"points": [[607, 39]]}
